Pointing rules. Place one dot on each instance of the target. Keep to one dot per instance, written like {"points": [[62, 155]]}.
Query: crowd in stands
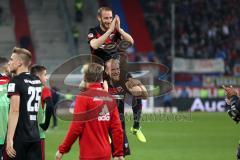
{"points": [[204, 29]]}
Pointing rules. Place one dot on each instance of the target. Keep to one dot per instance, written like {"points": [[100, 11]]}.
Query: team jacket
{"points": [[4, 107], [93, 128]]}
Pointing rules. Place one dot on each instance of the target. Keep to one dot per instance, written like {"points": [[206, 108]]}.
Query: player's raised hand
{"points": [[230, 91], [10, 150], [118, 26], [59, 155], [113, 24]]}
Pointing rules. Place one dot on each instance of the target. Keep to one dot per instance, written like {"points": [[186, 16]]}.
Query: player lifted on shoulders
{"points": [[108, 31]]}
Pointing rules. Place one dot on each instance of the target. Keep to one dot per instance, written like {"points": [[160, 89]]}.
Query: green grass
{"points": [[209, 136]]}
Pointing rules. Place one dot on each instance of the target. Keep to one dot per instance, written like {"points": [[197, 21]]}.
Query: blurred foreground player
{"points": [[4, 104], [93, 133], [24, 90], [46, 108], [233, 104], [120, 86]]}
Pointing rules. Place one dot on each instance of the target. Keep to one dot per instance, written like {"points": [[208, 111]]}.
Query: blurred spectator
{"points": [[75, 33], [184, 93], [167, 100], [78, 10], [1, 17]]}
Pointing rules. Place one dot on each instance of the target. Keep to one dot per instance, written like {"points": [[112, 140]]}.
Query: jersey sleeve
{"points": [[76, 127], [118, 37], [13, 87], [45, 94], [91, 34]]}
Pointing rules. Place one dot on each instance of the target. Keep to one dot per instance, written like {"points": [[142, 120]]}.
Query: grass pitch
{"points": [[183, 136]]}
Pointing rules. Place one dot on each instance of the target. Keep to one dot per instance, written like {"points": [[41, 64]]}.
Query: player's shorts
{"points": [[1, 151], [27, 150]]}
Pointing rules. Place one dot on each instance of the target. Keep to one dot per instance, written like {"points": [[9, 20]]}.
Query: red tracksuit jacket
{"points": [[93, 128]]}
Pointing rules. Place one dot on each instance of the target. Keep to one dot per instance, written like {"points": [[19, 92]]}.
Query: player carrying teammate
{"points": [[131, 86], [24, 91], [46, 108], [93, 133], [4, 103], [107, 32]]}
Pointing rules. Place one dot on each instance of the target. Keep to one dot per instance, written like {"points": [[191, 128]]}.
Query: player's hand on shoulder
{"points": [[136, 88], [131, 82], [230, 91], [59, 155]]}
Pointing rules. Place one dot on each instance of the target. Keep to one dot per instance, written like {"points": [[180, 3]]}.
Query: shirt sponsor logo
{"points": [[99, 98], [11, 87], [32, 82], [104, 115], [90, 35], [111, 36]]}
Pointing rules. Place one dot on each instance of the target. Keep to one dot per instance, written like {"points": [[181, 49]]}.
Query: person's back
{"points": [[103, 121], [4, 108], [95, 117]]}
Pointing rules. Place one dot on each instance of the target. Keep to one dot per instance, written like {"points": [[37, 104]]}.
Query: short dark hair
{"points": [[3, 61], [93, 72], [24, 54], [36, 69], [99, 13]]}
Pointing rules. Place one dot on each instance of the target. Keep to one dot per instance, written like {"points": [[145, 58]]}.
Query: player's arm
{"points": [[48, 113], [125, 36], [136, 88], [232, 101], [75, 129], [12, 123], [117, 133], [95, 43]]}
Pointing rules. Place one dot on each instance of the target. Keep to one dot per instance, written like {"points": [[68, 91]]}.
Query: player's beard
{"points": [[115, 77], [105, 26]]}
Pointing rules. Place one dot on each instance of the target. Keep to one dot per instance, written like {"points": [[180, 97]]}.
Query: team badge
{"points": [[11, 87], [90, 35], [111, 36]]}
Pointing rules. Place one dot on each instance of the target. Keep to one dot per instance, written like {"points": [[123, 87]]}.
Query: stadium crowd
{"points": [[204, 29]]}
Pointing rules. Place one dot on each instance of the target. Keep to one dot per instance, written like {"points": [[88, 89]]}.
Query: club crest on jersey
{"points": [[11, 87], [104, 115], [111, 36], [90, 35]]}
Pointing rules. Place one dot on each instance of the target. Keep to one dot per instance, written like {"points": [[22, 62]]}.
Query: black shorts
{"points": [[1, 151], [27, 150]]}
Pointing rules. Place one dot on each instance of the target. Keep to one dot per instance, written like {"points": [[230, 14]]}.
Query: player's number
{"points": [[34, 93]]}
